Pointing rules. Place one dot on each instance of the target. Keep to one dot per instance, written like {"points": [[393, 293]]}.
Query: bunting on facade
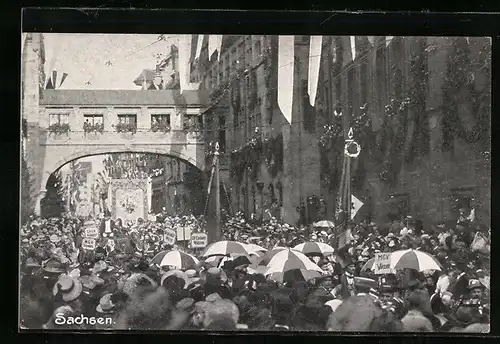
{"points": [[352, 40], [199, 45], [214, 44], [315, 46], [64, 76], [286, 52]]}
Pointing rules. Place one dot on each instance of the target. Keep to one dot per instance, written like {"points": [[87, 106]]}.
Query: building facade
{"points": [[423, 124]]}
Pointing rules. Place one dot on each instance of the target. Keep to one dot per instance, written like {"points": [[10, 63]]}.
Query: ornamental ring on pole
{"points": [[352, 149]]}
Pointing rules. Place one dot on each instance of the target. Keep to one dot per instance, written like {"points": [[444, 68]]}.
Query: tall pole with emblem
{"points": [[214, 231]]}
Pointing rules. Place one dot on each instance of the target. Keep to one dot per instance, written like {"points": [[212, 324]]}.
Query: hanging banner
{"points": [[199, 240], [382, 264], [353, 46], [388, 40], [286, 52], [199, 44], [169, 237], [315, 46], [88, 244]]}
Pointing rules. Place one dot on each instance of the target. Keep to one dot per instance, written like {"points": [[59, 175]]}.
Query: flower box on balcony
{"points": [[93, 128], [160, 127], [59, 129], [126, 128]]}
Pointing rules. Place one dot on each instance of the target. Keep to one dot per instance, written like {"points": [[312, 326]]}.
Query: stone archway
{"points": [[53, 162]]}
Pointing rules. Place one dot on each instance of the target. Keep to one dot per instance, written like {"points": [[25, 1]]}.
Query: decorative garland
{"points": [[96, 128], [459, 77], [58, 128], [420, 136]]}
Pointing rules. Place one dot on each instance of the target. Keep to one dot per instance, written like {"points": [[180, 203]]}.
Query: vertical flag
{"points": [[184, 63], [286, 52], [315, 46], [54, 78], [199, 45], [352, 40]]}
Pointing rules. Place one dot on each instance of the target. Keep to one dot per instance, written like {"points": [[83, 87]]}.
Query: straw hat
{"points": [[70, 288], [105, 304]]}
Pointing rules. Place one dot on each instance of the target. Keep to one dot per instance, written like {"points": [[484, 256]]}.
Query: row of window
{"points": [[98, 119]]}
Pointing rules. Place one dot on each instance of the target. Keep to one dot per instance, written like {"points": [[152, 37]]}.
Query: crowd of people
{"points": [[115, 285]]}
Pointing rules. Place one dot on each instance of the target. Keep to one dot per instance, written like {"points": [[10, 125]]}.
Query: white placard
{"points": [[88, 244], [382, 264], [91, 233], [183, 233], [199, 240], [169, 237]]}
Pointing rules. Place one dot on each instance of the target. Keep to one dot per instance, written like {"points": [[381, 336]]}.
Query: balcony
{"points": [[141, 136]]}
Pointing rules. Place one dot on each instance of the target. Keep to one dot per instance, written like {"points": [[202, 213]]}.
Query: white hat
{"points": [[334, 304]]}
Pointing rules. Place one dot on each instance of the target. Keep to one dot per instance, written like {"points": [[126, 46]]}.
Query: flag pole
{"points": [[217, 194]]}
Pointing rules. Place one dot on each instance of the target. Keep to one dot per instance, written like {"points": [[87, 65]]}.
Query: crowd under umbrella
{"points": [[253, 248], [413, 259], [175, 258], [292, 265], [315, 248], [266, 258], [369, 264], [224, 248]]}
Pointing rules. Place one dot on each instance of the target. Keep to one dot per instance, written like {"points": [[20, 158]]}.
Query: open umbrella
{"points": [[223, 248], [324, 224], [368, 265], [252, 248], [315, 248], [291, 260], [179, 259], [412, 259], [266, 258]]}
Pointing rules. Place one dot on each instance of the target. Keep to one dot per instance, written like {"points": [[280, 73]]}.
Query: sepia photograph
{"points": [[211, 182]]}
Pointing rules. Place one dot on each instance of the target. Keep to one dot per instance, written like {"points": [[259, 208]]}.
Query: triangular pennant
{"points": [[64, 76], [371, 39], [356, 205], [286, 55], [352, 40], [316, 42], [184, 63], [49, 85]]}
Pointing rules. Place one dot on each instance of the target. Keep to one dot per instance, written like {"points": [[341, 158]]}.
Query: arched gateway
{"points": [[64, 125]]}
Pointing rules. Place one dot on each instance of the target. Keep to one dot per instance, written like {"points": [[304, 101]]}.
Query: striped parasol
{"points": [[224, 248], [412, 259], [253, 248], [289, 259], [315, 248], [265, 259], [178, 259]]}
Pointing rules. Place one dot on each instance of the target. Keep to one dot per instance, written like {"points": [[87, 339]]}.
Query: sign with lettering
{"points": [[382, 264], [91, 233], [199, 240], [88, 244], [169, 237]]}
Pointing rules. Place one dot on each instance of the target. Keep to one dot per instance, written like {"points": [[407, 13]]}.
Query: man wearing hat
{"points": [[346, 287], [386, 289], [157, 83]]}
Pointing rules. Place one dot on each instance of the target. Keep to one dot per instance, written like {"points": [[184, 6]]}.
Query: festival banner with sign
{"points": [[382, 264], [91, 233], [88, 244]]}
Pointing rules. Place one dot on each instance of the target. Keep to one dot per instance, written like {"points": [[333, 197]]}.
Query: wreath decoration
{"points": [[352, 149]]}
